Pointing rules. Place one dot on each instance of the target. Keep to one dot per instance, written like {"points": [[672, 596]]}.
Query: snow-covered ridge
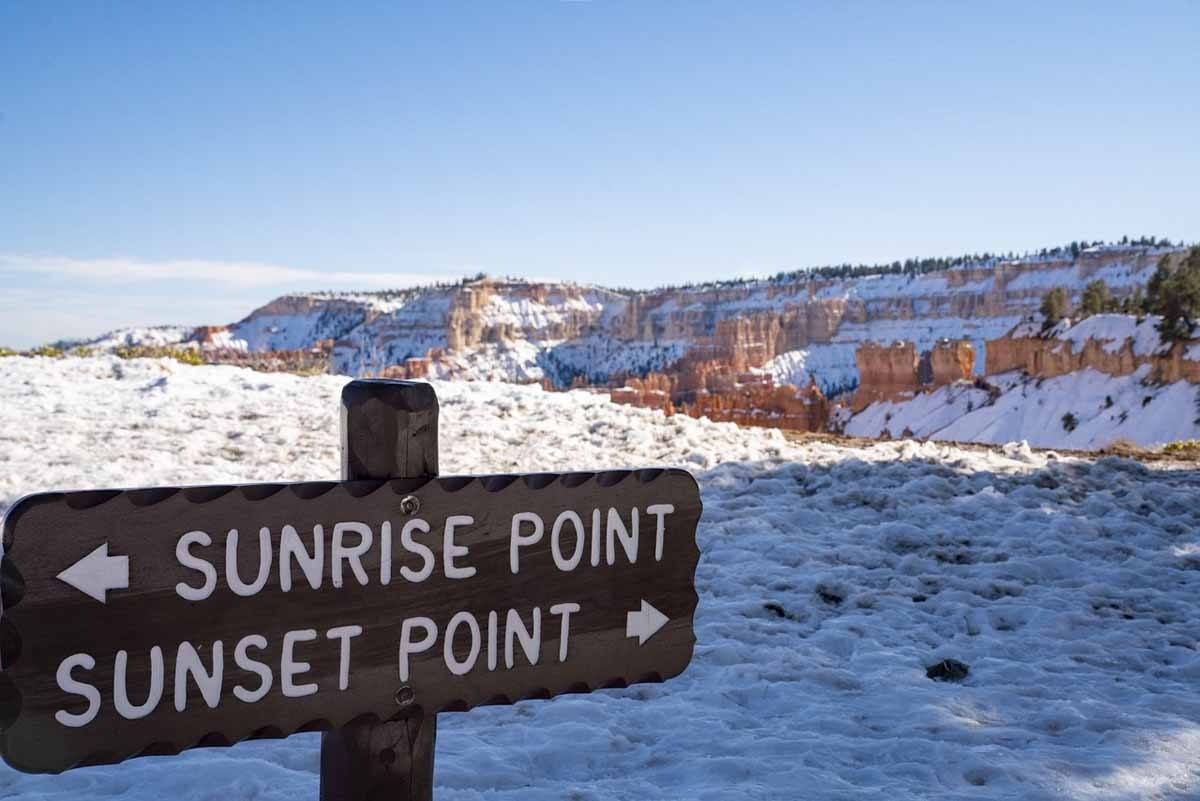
{"points": [[1083, 384], [529, 331], [1084, 410], [1113, 331]]}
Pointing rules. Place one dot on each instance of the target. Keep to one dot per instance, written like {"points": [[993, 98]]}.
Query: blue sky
{"points": [[183, 162]]}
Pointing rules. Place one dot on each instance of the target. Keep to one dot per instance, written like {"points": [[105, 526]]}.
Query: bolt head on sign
{"points": [[152, 620]]}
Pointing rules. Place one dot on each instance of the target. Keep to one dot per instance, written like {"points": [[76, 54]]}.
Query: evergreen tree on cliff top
{"points": [[1175, 295], [1055, 306], [1096, 299]]}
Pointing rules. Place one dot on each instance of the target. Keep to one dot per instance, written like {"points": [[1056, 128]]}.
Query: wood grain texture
{"points": [[49, 620], [389, 430]]}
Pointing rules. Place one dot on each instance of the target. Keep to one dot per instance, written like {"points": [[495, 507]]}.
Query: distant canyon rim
{"points": [[838, 349]]}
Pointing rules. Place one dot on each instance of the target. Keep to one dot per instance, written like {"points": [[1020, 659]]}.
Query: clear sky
{"points": [[184, 162]]}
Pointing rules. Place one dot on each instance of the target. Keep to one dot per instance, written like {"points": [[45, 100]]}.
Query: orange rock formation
{"points": [[1048, 358], [897, 371], [714, 390]]}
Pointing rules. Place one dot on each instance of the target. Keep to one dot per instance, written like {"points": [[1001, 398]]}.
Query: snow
{"points": [[276, 331], [831, 578], [599, 358], [512, 360], [1085, 409], [534, 315], [1106, 409], [145, 336], [1041, 280], [925, 332], [1123, 275], [1114, 330], [1028, 328], [581, 330], [831, 366]]}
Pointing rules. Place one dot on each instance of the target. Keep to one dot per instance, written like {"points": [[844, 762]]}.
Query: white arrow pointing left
{"points": [[97, 573]]}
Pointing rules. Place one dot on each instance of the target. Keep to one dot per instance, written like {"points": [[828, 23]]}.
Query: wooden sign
{"points": [[153, 620]]}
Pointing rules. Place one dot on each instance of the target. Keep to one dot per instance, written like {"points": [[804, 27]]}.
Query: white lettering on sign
{"points": [[183, 553], [264, 563], [505, 639], [408, 646], [450, 551], [68, 684], [528, 528], [456, 666], [613, 534], [353, 554], [617, 530], [344, 634], [126, 709], [188, 662], [564, 611], [192, 670], [464, 629], [517, 540], [412, 546], [241, 658], [531, 643], [660, 512], [567, 564], [291, 549]]}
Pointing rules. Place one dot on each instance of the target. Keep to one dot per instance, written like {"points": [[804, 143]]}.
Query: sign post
{"points": [[389, 430], [148, 621]]}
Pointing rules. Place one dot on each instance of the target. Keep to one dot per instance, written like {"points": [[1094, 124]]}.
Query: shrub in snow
{"points": [[1070, 422], [948, 670]]}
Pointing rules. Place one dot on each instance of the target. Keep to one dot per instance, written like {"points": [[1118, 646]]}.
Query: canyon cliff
{"points": [[1112, 344], [797, 327], [897, 371], [772, 349], [1085, 384]]}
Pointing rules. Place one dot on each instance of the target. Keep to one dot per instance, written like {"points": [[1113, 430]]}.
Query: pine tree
{"points": [[1135, 303], [1055, 307], [1175, 295], [1096, 299]]}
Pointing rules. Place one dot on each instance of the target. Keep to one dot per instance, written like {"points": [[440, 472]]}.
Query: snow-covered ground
{"points": [[1086, 410], [831, 578]]}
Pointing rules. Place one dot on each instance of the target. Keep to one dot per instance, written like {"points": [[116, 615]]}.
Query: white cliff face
{"points": [[797, 327]]}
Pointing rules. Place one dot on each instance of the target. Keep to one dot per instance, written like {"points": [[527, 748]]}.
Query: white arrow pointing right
{"points": [[644, 623], [97, 573]]}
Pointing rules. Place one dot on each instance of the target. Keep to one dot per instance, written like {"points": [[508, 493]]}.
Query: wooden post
{"points": [[389, 430]]}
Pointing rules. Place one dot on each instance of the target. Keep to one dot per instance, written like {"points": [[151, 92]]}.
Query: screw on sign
{"points": [[148, 621]]}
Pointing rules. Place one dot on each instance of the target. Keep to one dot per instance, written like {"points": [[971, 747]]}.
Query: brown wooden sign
{"points": [[148, 621]]}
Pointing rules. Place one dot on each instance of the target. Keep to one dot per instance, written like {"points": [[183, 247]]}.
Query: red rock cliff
{"points": [[1058, 353], [897, 372]]}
